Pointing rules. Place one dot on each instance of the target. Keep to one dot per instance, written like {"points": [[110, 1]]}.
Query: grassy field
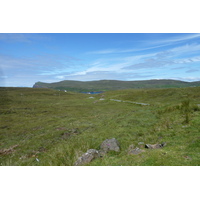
{"points": [[48, 127]]}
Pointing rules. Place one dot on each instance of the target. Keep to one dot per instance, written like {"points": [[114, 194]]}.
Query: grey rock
{"points": [[87, 157], [110, 145], [155, 146], [102, 153], [135, 151]]}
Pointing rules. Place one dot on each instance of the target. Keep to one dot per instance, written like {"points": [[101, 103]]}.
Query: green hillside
{"points": [[49, 127], [106, 85]]}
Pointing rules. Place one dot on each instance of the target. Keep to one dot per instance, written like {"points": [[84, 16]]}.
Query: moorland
{"points": [[48, 127]]}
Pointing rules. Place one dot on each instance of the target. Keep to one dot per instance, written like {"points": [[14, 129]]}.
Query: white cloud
{"points": [[169, 57], [185, 49], [175, 39], [192, 70], [29, 70], [187, 78], [153, 45], [114, 75], [105, 51], [129, 66], [119, 51], [60, 77]]}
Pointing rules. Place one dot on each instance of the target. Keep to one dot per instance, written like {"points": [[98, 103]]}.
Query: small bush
{"points": [[185, 107]]}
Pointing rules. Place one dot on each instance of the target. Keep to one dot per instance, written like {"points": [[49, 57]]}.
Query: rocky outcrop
{"points": [[106, 146], [112, 145], [87, 157]]}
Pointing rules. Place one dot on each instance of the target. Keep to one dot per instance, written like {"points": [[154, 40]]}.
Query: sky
{"points": [[26, 58]]}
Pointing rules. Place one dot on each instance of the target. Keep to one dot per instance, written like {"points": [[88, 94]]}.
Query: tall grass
{"points": [[37, 119]]}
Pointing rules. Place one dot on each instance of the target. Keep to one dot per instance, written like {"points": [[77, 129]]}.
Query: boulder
{"points": [[155, 146], [109, 145], [87, 157]]}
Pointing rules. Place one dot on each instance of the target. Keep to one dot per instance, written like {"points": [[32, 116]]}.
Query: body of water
{"points": [[92, 92]]}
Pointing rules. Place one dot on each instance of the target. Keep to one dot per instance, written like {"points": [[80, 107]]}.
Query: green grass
{"points": [[36, 119]]}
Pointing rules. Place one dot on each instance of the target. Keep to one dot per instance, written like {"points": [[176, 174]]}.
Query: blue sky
{"points": [[28, 58]]}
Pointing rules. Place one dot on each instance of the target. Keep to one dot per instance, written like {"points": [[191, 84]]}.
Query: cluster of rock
{"points": [[106, 146], [136, 150], [112, 145]]}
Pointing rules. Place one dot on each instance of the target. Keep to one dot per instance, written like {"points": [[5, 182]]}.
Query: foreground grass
{"points": [[35, 122]]}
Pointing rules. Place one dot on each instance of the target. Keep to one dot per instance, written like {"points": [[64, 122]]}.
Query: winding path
{"points": [[144, 104]]}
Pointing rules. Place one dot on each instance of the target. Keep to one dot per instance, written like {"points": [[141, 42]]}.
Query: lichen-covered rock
{"points": [[155, 146], [87, 157], [109, 145]]}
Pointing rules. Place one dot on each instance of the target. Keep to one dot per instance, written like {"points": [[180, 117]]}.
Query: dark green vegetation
{"points": [[50, 127], [106, 85]]}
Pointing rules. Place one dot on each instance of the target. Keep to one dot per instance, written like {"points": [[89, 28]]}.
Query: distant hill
{"points": [[106, 85]]}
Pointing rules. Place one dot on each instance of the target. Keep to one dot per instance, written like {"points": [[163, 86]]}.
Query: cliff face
{"points": [[36, 86], [39, 85]]}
